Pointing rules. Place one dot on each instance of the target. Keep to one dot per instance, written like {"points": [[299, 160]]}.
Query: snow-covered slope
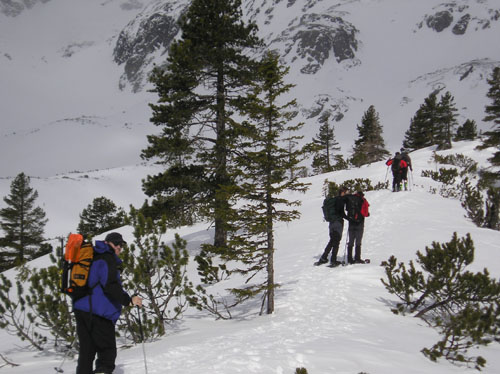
{"points": [[73, 74], [326, 320]]}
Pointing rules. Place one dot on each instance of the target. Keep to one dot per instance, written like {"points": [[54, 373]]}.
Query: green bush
{"points": [[463, 306]]}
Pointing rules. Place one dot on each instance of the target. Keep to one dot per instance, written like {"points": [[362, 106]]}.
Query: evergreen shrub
{"points": [[463, 306]]}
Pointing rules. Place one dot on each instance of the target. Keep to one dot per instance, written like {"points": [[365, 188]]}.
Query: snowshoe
{"points": [[334, 264], [321, 261]]}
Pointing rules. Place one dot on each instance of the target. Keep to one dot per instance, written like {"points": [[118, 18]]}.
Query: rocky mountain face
{"points": [[13, 8], [316, 32], [312, 37], [145, 37], [458, 16], [343, 55]]}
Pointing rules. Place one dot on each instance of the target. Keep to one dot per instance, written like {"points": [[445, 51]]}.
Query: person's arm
{"points": [[113, 289], [340, 206]]}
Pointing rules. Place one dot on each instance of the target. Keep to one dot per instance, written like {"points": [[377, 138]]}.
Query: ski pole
{"points": [[344, 263], [142, 339], [59, 369]]}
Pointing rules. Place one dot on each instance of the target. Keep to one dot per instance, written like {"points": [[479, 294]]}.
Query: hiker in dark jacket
{"points": [[396, 164], [404, 171], [355, 231], [336, 226], [97, 313]]}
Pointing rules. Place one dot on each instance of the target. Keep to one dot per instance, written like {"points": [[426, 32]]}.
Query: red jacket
{"points": [[402, 164]]}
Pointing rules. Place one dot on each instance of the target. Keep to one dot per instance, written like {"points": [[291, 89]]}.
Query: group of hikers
{"points": [[354, 209], [399, 166], [97, 312]]}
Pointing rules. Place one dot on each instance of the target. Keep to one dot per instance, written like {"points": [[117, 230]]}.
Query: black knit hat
{"points": [[115, 238]]}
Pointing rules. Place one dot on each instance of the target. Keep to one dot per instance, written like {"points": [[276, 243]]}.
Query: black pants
{"points": [[396, 180], [96, 335], [355, 233], [335, 231], [404, 174]]}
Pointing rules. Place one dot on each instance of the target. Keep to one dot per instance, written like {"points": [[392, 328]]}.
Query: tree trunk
{"points": [[270, 258], [221, 179]]}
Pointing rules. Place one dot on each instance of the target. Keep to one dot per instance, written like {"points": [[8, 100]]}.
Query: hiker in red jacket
{"points": [[404, 170], [357, 211], [397, 165]]}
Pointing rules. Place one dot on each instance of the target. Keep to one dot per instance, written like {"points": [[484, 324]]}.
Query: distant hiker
{"points": [[357, 209], [97, 313], [404, 171], [334, 214], [397, 164]]}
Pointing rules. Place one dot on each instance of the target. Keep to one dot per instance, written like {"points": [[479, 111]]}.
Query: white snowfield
{"points": [[326, 320]]}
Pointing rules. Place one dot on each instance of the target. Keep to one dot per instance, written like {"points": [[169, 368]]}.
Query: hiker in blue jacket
{"points": [[97, 313]]}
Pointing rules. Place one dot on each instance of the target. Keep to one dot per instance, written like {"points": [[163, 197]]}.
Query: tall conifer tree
{"points": [[446, 121], [323, 146], [491, 179], [265, 162], [100, 216], [492, 137], [22, 222], [468, 131], [370, 145], [433, 124], [208, 72], [422, 125]]}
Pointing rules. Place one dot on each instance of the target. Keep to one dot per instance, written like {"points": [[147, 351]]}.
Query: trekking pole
{"points": [[344, 263], [59, 369], [386, 172], [142, 339]]}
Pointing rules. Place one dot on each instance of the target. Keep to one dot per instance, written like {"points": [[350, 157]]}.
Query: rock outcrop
{"points": [[150, 33], [314, 37]]}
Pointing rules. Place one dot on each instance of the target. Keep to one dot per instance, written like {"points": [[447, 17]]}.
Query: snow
{"points": [[326, 320], [397, 65], [65, 123]]}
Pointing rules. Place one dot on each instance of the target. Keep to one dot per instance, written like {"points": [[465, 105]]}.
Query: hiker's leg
{"points": [[359, 238], [103, 333], [87, 350]]}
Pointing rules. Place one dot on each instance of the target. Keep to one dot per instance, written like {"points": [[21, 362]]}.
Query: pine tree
{"points": [[323, 146], [492, 138], [461, 305], [100, 216], [157, 272], [370, 145], [468, 131], [40, 313], [22, 223], [422, 126], [208, 72], [265, 161], [445, 122]]}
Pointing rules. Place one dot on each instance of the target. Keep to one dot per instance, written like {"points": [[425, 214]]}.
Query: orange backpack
{"points": [[78, 256]]}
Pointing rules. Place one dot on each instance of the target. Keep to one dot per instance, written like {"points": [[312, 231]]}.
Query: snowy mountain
{"points": [[326, 320], [73, 74]]}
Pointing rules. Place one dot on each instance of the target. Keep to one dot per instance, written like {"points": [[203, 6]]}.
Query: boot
{"points": [[349, 255]]}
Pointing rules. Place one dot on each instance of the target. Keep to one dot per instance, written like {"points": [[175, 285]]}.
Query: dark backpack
{"points": [[354, 204], [396, 163], [328, 207]]}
